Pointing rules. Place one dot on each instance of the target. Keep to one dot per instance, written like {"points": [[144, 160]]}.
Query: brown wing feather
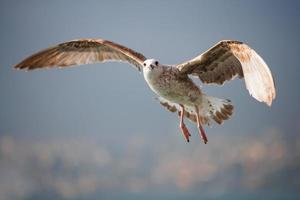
{"points": [[78, 52], [229, 59]]}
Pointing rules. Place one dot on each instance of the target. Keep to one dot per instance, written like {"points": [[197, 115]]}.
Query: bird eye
{"points": [[156, 62], [144, 64]]}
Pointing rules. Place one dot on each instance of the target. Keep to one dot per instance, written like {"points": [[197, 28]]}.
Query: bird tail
{"points": [[216, 109], [211, 108]]}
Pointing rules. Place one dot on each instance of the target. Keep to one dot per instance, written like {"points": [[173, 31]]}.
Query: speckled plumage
{"points": [[171, 85], [175, 89]]}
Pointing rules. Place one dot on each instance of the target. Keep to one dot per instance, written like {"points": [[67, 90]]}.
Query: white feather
{"points": [[258, 78]]}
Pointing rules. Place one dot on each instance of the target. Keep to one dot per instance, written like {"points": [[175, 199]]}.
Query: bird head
{"points": [[151, 65]]}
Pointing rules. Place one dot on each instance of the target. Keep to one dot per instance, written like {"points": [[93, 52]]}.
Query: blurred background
{"points": [[96, 132]]}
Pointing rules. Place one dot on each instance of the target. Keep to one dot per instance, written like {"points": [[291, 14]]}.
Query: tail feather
{"points": [[217, 109], [210, 108]]}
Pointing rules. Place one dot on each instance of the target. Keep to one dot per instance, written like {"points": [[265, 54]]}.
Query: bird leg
{"points": [[201, 130], [182, 126]]}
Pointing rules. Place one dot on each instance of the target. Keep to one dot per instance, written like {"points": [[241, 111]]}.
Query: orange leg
{"points": [[201, 130], [182, 126]]}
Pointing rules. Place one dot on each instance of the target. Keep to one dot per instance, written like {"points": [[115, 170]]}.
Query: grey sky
{"points": [[111, 103]]}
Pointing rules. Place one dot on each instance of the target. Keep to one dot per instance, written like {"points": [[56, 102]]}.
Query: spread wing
{"points": [[229, 59], [78, 52]]}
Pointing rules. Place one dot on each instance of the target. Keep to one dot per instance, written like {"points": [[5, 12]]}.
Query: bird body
{"points": [[176, 90], [167, 82]]}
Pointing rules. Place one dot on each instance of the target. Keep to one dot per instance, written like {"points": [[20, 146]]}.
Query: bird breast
{"points": [[171, 85]]}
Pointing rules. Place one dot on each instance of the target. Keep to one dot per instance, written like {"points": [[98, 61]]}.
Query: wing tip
{"points": [[23, 66], [20, 66], [271, 98], [29, 67], [269, 102], [268, 99]]}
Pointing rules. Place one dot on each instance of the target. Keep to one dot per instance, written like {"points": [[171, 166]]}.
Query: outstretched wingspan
{"points": [[84, 51], [229, 59]]}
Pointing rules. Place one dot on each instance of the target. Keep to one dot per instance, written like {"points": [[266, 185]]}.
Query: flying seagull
{"points": [[176, 90]]}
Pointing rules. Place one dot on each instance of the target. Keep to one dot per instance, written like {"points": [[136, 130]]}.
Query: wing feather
{"points": [[230, 59], [83, 51]]}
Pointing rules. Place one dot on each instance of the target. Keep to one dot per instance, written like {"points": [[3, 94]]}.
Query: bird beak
{"points": [[151, 66]]}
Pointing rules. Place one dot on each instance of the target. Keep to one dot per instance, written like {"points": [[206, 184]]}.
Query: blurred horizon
{"points": [[97, 132]]}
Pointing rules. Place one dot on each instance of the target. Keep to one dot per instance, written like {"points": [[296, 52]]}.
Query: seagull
{"points": [[173, 84]]}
